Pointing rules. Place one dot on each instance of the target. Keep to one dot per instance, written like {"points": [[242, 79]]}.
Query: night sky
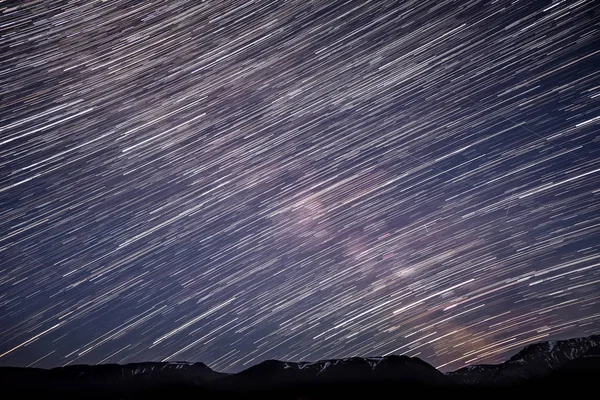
{"points": [[231, 181]]}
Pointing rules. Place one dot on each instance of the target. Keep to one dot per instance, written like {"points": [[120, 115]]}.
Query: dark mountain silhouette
{"points": [[393, 368], [540, 367], [534, 361], [137, 375]]}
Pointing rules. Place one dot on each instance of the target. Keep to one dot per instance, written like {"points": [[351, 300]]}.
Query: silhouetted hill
{"points": [[112, 376], [273, 373], [534, 361], [543, 367]]}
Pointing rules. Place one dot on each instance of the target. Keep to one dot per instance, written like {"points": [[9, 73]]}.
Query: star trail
{"points": [[230, 181]]}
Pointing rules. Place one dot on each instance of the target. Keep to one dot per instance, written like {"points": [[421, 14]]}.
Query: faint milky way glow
{"points": [[228, 182]]}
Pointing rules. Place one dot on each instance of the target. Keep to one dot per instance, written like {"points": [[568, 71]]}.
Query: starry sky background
{"points": [[231, 181]]}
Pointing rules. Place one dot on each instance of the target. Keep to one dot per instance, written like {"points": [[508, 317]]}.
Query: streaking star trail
{"points": [[229, 182]]}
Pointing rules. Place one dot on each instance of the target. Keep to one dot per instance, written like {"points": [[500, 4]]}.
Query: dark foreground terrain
{"points": [[560, 368]]}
